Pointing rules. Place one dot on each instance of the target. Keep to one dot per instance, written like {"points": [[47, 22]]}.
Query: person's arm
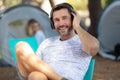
{"points": [[89, 43]]}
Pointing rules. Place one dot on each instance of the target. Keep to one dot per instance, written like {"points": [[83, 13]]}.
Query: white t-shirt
{"points": [[66, 57], [39, 35]]}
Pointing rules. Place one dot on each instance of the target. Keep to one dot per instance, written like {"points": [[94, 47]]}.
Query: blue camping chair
{"points": [[30, 40], [33, 43]]}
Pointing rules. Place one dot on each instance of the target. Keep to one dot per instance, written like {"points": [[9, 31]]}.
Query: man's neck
{"points": [[63, 38]]}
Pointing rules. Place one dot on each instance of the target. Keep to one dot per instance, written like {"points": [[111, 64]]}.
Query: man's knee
{"points": [[19, 47], [37, 76], [23, 49]]}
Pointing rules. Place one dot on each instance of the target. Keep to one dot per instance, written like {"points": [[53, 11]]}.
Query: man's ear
{"points": [[72, 12], [52, 23]]}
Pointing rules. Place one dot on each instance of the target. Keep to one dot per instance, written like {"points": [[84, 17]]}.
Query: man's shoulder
{"points": [[51, 39]]}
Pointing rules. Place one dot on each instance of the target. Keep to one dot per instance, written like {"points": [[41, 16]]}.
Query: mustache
{"points": [[62, 27]]}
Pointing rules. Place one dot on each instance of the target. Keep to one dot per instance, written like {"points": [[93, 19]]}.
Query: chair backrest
{"points": [[90, 71], [33, 43], [30, 40]]}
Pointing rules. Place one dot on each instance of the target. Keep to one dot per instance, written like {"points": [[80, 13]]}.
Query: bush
{"points": [[79, 4]]}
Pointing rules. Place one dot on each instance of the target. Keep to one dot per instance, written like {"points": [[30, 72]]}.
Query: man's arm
{"points": [[89, 43]]}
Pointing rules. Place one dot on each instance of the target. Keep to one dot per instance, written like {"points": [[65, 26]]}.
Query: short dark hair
{"points": [[31, 21], [61, 6]]}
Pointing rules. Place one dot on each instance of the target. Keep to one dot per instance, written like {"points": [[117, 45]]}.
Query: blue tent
{"points": [[12, 25], [109, 32]]}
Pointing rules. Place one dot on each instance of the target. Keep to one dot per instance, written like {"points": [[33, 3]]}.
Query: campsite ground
{"points": [[105, 69]]}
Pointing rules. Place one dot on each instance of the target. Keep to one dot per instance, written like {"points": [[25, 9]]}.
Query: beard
{"points": [[64, 30]]}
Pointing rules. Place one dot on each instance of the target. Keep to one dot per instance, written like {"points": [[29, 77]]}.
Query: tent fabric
{"points": [[12, 26], [109, 31]]}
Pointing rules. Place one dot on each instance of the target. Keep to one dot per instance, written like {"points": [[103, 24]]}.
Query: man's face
{"points": [[62, 22]]}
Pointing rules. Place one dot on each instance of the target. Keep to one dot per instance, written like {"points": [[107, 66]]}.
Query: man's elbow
{"points": [[94, 49]]}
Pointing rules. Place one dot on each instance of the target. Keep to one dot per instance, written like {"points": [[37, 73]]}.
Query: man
{"points": [[65, 57]]}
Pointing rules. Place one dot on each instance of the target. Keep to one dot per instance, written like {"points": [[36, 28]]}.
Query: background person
{"points": [[33, 28]]}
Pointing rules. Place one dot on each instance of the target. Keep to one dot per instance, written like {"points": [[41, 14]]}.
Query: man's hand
{"points": [[76, 20], [89, 43]]}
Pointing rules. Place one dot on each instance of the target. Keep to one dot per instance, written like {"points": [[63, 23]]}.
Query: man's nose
{"points": [[61, 22]]}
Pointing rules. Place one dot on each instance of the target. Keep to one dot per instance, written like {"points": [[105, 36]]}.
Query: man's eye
{"points": [[65, 17], [55, 20]]}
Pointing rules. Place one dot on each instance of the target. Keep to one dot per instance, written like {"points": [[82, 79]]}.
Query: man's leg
{"points": [[28, 62], [37, 76]]}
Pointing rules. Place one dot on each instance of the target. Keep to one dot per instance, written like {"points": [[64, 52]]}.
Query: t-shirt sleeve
{"points": [[40, 36], [41, 48], [39, 52]]}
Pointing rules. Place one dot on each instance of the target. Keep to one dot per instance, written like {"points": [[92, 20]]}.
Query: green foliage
{"points": [[106, 3], [39, 0], [0, 56], [79, 4], [11, 3]]}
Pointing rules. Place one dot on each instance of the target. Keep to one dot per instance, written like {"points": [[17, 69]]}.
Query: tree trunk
{"points": [[3, 5], [95, 10], [26, 1], [52, 3], [33, 2]]}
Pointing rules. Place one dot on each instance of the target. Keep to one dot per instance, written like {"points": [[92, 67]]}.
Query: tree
{"points": [[3, 4], [52, 3], [33, 2], [108, 2], [95, 10], [26, 1]]}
